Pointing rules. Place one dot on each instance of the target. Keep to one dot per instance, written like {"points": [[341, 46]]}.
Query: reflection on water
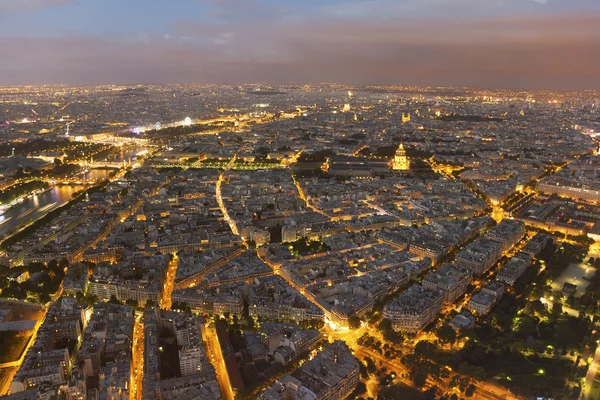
{"points": [[36, 207], [127, 154], [97, 174]]}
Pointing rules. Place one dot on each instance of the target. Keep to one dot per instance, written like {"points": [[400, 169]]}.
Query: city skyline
{"points": [[193, 241], [317, 200], [529, 44]]}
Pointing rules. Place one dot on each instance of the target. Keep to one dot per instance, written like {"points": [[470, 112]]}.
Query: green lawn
{"points": [[11, 346]]}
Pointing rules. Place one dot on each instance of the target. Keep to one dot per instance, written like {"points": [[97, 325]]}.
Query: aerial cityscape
{"points": [[283, 200], [316, 242]]}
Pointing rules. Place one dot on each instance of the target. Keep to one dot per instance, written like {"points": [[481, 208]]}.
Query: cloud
{"points": [[554, 52], [30, 5]]}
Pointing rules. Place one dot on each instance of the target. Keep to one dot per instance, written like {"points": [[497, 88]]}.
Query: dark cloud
{"points": [[556, 52]]}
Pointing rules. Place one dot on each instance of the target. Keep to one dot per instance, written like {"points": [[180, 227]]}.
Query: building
{"points": [[512, 270], [106, 352], [357, 167], [508, 233], [190, 360], [450, 280], [331, 375], [479, 256], [400, 162], [48, 359], [483, 301], [538, 243], [414, 309], [464, 320], [196, 378], [571, 189]]}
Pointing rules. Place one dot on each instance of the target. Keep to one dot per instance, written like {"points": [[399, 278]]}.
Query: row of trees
{"points": [[44, 280]]}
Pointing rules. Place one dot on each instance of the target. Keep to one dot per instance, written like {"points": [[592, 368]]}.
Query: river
{"points": [[36, 207], [127, 154], [97, 174]]}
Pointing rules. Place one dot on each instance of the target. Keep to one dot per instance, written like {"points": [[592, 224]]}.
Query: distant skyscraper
{"points": [[401, 162]]}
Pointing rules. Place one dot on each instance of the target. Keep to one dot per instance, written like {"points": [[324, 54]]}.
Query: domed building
{"points": [[400, 162]]}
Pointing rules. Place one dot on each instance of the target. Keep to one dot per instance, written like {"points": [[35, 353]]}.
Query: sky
{"points": [[514, 44]]}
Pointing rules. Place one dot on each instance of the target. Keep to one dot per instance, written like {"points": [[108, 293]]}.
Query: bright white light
{"points": [[331, 324], [187, 121]]}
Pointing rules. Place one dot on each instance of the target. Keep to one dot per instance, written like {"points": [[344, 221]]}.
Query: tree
{"points": [[446, 334], [472, 370], [360, 389], [371, 368], [250, 324], [470, 390], [425, 349], [556, 311], [149, 303], [79, 296], [354, 322], [419, 377], [114, 300], [132, 303], [364, 373], [91, 299], [44, 298], [388, 333], [36, 267]]}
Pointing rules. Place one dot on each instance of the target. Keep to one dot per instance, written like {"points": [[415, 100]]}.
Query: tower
{"points": [[400, 162]]}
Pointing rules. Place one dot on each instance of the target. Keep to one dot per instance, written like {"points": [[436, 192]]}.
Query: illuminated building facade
{"points": [[400, 162]]}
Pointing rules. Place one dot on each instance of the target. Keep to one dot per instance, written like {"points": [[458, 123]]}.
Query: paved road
{"points": [[216, 358], [590, 377]]}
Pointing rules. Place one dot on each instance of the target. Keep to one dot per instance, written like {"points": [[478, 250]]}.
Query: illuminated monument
{"points": [[400, 162]]}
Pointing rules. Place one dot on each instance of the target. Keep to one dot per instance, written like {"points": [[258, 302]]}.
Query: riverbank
{"points": [[32, 226], [18, 192]]}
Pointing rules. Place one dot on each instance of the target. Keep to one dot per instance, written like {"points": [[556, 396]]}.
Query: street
{"points": [[165, 301], [137, 361], [216, 358]]}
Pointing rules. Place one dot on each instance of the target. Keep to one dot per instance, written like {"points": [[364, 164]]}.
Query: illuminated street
{"points": [[166, 302], [137, 351], [216, 358]]}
